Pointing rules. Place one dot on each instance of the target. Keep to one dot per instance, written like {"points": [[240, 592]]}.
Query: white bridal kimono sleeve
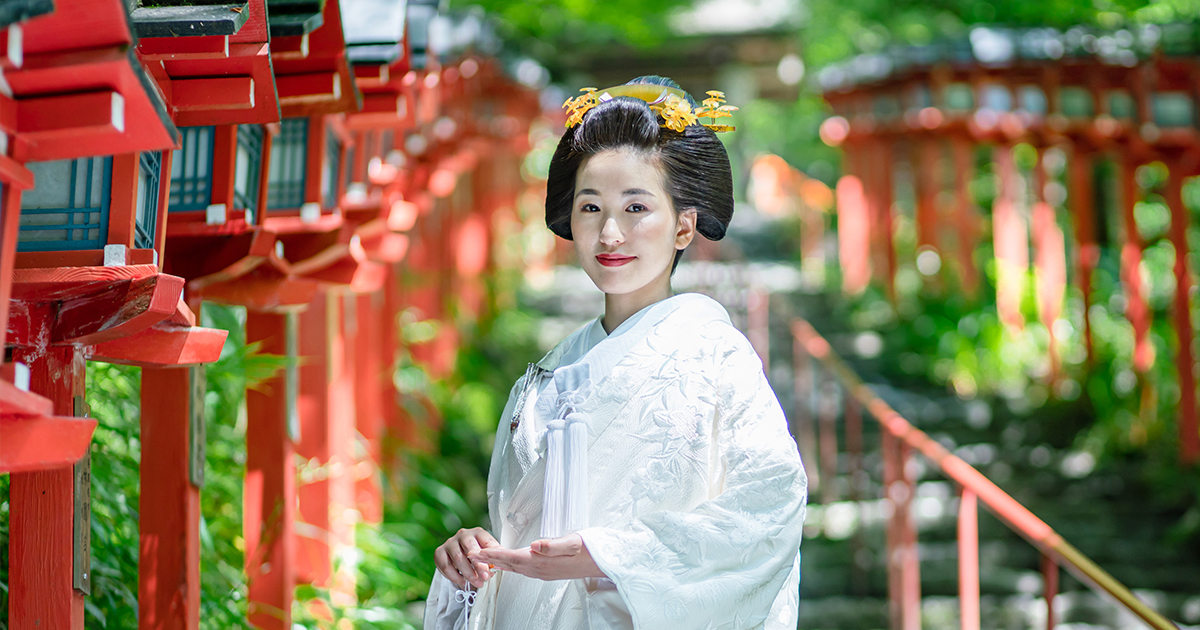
{"points": [[696, 493]]}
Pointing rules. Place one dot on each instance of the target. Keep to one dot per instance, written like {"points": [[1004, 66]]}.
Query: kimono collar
{"points": [[701, 308]]}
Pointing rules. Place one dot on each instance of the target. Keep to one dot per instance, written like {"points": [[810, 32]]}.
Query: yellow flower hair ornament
{"points": [[670, 103]]}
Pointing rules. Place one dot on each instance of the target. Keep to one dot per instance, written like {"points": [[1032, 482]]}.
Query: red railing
{"points": [[899, 440]]}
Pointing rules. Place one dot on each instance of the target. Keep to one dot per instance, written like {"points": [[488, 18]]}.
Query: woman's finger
{"points": [[463, 565], [565, 546]]}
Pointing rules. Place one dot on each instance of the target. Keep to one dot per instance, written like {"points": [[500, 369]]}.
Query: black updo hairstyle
{"points": [[698, 175]]}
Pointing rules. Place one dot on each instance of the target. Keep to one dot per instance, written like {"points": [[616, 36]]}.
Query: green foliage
{"points": [[837, 29], [543, 27]]}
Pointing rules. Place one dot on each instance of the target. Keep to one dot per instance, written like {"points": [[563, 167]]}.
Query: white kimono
{"points": [[695, 493]]}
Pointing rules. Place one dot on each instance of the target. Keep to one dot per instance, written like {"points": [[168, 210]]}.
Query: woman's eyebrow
{"points": [[588, 191], [637, 191]]}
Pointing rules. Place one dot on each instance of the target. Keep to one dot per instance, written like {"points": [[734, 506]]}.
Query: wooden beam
{"points": [[211, 94], [223, 164], [314, 558], [263, 291], [269, 499], [181, 48], [122, 209], [370, 380], [116, 311], [171, 470], [44, 443], [164, 344], [57, 117], [42, 504], [10, 225], [313, 87], [52, 284], [17, 403]]}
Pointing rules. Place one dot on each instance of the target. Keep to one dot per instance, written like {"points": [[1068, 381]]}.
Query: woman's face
{"points": [[625, 229]]}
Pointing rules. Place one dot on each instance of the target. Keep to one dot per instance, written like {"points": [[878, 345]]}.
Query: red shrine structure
{"points": [[1122, 99], [323, 164]]}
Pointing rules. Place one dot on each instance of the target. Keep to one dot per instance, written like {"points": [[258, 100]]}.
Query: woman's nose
{"points": [[610, 234]]}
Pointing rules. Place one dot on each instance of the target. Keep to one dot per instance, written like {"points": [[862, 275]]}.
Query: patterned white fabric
{"points": [[696, 491]]}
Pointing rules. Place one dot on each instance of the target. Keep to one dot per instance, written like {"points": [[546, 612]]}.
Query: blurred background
{"points": [[988, 209]]}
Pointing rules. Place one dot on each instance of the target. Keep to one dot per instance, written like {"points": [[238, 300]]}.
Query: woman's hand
{"points": [[452, 557], [565, 558]]}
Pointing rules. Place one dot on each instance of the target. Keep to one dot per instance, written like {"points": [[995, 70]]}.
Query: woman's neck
{"points": [[618, 308]]}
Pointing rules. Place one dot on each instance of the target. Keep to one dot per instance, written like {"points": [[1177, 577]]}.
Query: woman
{"points": [[643, 475]]}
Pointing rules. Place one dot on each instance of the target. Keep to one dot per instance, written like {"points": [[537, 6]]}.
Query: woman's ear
{"points": [[686, 228]]}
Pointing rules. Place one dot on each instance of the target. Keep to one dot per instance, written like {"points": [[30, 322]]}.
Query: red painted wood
{"points": [[342, 324], [224, 163], [15, 403], [245, 60], [1137, 310], [180, 48], [168, 506], [1011, 241], [308, 88], [1049, 589], [164, 344], [269, 501], [1185, 362], [371, 379], [1050, 264], [198, 95], [966, 221], [968, 560], [14, 174], [316, 160], [314, 548], [41, 517], [117, 311], [854, 234], [1087, 251], [57, 117], [78, 24], [255, 27], [263, 291], [928, 166], [78, 258], [10, 224], [92, 71], [59, 284], [122, 209], [42, 443]]}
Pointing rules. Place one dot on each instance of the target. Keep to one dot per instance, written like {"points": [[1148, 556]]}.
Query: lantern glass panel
{"points": [[67, 209], [146, 222], [996, 97], [1076, 102], [959, 97], [246, 183], [1173, 109], [286, 177], [1121, 105], [191, 170], [1033, 100], [331, 168]]}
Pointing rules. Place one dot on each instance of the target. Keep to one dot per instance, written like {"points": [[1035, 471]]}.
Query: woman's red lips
{"points": [[613, 260]]}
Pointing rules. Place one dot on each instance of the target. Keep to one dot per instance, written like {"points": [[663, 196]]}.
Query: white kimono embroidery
{"points": [[696, 493]]}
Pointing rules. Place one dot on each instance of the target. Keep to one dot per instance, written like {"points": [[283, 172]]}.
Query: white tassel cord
{"points": [[576, 517], [553, 508]]}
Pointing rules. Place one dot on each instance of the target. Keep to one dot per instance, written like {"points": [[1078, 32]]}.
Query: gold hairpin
{"points": [[670, 103]]}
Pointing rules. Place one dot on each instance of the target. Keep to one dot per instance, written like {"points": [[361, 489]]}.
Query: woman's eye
{"points": [[636, 207], [589, 207]]}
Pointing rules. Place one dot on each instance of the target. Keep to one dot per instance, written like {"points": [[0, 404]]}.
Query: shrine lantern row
{"points": [[1120, 99], [319, 163]]}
